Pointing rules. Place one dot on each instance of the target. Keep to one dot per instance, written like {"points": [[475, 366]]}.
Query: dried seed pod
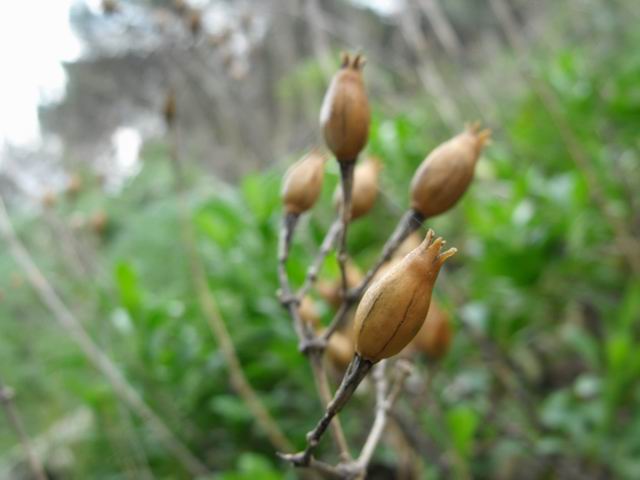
{"points": [[308, 312], [339, 350], [434, 338], [365, 188], [345, 115], [444, 176], [393, 309], [303, 183], [329, 290]]}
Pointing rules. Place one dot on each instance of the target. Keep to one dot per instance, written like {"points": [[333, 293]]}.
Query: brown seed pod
{"points": [[434, 338], [303, 183], [444, 176], [339, 350], [393, 309], [345, 114], [308, 312], [365, 188], [329, 290]]}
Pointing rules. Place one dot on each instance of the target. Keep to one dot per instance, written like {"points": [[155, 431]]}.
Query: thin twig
{"points": [[210, 309], [384, 402], [94, 354], [314, 269], [6, 399]]}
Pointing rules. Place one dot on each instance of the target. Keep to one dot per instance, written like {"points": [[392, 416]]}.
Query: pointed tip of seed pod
{"points": [[359, 62], [442, 257], [345, 59], [429, 236]]}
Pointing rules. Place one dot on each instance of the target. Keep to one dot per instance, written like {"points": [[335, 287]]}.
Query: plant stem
{"points": [[346, 181]]}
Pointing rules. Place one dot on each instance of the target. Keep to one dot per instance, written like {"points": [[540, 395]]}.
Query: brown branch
{"points": [[7, 396], [346, 182], [210, 309], [94, 354]]}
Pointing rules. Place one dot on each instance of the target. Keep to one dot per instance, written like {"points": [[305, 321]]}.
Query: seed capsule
{"points": [[345, 115], [434, 338], [329, 290], [308, 312], [365, 188], [444, 176], [303, 183], [339, 350], [394, 308], [407, 246]]}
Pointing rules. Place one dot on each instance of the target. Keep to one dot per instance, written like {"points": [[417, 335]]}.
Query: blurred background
{"points": [[544, 295]]}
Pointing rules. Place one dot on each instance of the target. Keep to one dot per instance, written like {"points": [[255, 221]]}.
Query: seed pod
{"points": [[393, 309], [308, 312], [329, 290], [339, 350], [365, 188], [434, 338], [345, 115], [444, 176], [303, 183]]}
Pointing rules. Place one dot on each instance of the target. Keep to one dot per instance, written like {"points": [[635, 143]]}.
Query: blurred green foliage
{"points": [[539, 273]]}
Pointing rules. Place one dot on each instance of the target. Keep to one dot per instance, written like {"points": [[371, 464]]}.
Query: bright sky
{"points": [[35, 36]]}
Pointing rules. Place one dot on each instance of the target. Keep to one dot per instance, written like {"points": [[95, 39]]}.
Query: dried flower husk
{"points": [[365, 188], [339, 350], [393, 309], [345, 114], [303, 183], [434, 338], [330, 290], [308, 312], [444, 176]]}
